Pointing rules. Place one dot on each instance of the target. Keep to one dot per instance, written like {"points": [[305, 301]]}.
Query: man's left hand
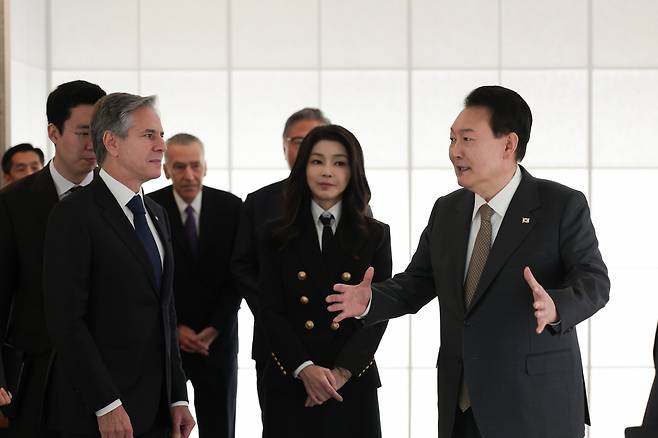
{"points": [[207, 336], [545, 311], [181, 421]]}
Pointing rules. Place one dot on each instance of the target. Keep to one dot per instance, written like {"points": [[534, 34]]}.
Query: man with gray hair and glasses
{"points": [[108, 274]]}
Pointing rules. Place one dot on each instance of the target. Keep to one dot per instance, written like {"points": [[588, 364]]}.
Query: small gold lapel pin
{"points": [[525, 220]]}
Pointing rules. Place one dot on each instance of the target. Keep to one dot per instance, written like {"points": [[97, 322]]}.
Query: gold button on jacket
{"points": [[309, 325]]}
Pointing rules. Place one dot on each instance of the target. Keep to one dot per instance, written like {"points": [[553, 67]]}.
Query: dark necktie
{"points": [[146, 237], [71, 190], [190, 231], [479, 257], [327, 233]]}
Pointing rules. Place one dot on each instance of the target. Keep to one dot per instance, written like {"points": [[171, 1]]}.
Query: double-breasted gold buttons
{"points": [[334, 326], [301, 275], [309, 325], [303, 299], [346, 276]]}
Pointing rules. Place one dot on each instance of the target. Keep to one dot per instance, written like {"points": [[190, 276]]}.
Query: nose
{"points": [[455, 150], [326, 170], [188, 173]]}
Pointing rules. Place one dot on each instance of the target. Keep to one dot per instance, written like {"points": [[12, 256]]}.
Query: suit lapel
{"points": [[308, 244], [114, 215], [519, 220], [164, 238], [459, 225], [46, 193]]}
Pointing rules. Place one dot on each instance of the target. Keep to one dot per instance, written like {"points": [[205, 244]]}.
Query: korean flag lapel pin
{"points": [[525, 220]]}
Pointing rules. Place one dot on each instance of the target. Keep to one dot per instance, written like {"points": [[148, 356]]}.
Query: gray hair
{"points": [[305, 114], [184, 139], [113, 113]]}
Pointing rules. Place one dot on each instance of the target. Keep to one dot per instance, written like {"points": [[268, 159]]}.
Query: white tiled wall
{"points": [[395, 72]]}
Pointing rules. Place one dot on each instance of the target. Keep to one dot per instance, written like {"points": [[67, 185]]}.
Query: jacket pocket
{"points": [[560, 361]]}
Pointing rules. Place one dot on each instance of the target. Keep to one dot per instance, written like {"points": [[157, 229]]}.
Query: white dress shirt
{"points": [[182, 205], [316, 212], [123, 195], [499, 204], [63, 185]]}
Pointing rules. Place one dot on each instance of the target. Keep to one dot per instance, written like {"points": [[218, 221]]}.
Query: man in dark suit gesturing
{"points": [[24, 209], [204, 222], [515, 263], [108, 279]]}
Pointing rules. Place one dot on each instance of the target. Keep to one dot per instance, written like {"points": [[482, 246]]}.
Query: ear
{"points": [[53, 133], [205, 167], [511, 142], [166, 172], [6, 178], [111, 143]]}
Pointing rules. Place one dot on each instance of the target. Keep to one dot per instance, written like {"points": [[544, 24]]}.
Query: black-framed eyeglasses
{"points": [[295, 140]]}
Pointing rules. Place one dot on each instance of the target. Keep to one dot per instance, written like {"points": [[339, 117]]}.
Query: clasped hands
{"points": [[353, 301], [321, 384], [193, 342]]}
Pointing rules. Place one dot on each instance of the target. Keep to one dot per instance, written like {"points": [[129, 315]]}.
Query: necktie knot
{"points": [[485, 213], [326, 219], [189, 210], [136, 205]]}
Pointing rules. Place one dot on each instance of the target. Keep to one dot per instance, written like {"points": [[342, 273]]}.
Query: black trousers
{"points": [[215, 382], [155, 433], [465, 426], [260, 367]]}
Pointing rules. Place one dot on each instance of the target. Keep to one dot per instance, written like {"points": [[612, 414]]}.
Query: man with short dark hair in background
{"points": [[108, 290], [20, 161], [259, 208], [204, 222], [24, 209]]}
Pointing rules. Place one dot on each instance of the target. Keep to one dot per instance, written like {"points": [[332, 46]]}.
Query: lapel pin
{"points": [[525, 220]]}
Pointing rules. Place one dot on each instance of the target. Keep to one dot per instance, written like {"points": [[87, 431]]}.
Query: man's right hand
{"points": [[320, 385], [351, 301], [5, 397], [189, 341], [115, 424]]}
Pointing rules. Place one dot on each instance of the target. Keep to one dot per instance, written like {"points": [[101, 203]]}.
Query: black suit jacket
{"points": [[113, 331], [259, 208], [299, 270], [521, 384], [204, 291], [24, 209]]}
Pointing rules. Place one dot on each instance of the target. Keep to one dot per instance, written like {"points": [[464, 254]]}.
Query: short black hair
{"points": [[305, 114], [67, 96], [23, 147], [508, 113]]}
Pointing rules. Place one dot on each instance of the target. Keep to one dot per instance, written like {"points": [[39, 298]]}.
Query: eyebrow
{"points": [[81, 126], [334, 156]]}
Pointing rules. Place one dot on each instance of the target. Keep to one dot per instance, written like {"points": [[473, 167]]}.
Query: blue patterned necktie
{"points": [[146, 237]]}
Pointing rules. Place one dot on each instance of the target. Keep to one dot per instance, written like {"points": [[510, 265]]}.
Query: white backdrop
{"points": [[394, 72]]}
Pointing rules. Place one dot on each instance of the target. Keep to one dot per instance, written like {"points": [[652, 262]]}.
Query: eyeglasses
{"points": [[295, 140]]}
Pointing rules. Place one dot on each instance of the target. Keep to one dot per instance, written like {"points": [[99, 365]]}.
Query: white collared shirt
{"points": [[499, 204], [63, 185], [317, 211], [123, 195], [195, 204]]}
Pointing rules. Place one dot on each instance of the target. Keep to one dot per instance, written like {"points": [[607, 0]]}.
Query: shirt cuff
{"points": [[109, 408], [364, 314], [179, 403], [301, 367]]}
